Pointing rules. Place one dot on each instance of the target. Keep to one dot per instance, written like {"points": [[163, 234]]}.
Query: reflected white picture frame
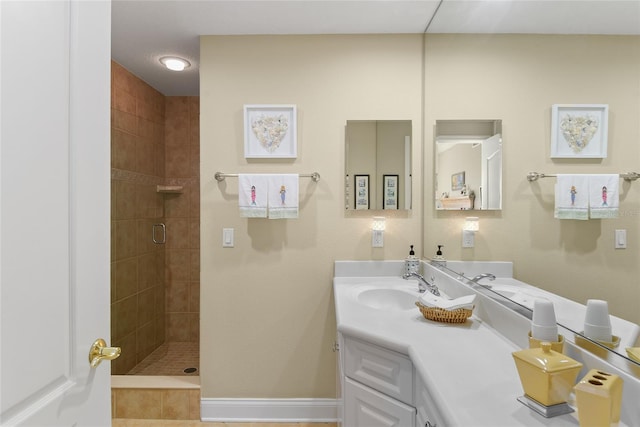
{"points": [[579, 131], [361, 192], [390, 190], [270, 131]]}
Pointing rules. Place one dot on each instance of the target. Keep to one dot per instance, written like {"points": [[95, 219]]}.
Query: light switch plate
{"points": [[227, 238], [620, 239]]}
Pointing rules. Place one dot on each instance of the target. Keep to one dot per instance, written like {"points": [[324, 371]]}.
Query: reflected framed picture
{"points": [[579, 131], [361, 191], [457, 181], [390, 192], [270, 131]]}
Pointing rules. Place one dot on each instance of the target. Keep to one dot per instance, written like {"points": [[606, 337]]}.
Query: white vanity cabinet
{"points": [[426, 413], [378, 386]]}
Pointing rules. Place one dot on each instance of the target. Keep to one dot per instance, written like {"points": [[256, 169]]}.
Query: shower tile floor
{"points": [[171, 358]]}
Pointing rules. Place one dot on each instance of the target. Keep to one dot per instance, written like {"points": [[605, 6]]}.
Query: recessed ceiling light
{"points": [[174, 63]]}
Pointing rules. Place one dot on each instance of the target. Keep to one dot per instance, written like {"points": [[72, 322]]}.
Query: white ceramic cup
{"points": [[543, 323], [597, 324]]}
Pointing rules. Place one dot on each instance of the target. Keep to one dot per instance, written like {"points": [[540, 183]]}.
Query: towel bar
{"points": [[315, 176], [534, 176]]}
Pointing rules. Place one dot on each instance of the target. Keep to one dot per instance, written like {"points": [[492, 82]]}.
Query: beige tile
{"points": [[124, 121], [177, 158], [194, 297], [146, 306], [194, 233], [143, 404], [194, 265], [128, 357], [123, 149], [126, 278], [178, 264], [178, 326], [177, 297], [125, 200], [124, 101], [147, 271], [145, 156], [125, 239], [175, 404], [126, 314], [194, 404], [177, 233], [177, 205]]}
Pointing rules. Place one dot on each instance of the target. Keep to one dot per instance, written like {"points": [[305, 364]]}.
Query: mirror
{"points": [[616, 356], [378, 164], [468, 164]]}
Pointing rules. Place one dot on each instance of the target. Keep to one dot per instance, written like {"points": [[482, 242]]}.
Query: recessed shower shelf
{"points": [[169, 189]]}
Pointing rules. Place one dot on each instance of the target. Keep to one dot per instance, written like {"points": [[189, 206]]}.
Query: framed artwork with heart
{"points": [[579, 131], [270, 131]]}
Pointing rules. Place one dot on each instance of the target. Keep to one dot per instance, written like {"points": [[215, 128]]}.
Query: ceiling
{"points": [[145, 30]]}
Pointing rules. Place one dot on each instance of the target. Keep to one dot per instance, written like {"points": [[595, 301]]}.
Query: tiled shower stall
{"points": [[155, 294]]}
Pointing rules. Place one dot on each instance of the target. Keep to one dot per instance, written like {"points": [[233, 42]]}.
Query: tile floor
{"points": [[171, 358]]}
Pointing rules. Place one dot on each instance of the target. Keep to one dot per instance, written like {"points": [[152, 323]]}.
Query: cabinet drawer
{"points": [[384, 370], [367, 407]]}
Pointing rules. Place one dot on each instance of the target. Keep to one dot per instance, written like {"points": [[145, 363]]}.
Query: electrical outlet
{"points": [[468, 239], [377, 239]]}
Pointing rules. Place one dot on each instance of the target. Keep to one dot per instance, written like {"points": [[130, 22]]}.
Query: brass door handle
{"points": [[99, 352]]}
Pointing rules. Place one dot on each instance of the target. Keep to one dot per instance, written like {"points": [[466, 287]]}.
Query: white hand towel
{"points": [[252, 195], [572, 197], [604, 196], [430, 300], [283, 196]]}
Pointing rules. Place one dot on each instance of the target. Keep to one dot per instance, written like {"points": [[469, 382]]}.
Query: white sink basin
{"points": [[388, 299]]}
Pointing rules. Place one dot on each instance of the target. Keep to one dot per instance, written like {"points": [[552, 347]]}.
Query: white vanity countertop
{"points": [[468, 368]]}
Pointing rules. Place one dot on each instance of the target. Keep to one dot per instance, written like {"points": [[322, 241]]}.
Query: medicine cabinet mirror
{"points": [[378, 164], [468, 165]]}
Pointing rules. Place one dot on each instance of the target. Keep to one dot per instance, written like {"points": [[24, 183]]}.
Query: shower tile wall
{"points": [[182, 215], [137, 264], [155, 293]]}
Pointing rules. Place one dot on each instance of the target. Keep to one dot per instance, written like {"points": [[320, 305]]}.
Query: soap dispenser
{"points": [[412, 263], [439, 258]]}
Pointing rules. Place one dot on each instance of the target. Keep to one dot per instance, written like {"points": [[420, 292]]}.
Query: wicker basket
{"points": [[459, 315]]}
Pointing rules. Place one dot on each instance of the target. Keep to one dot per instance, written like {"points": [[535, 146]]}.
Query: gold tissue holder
{"points": [[599, 398], [547, 378]]}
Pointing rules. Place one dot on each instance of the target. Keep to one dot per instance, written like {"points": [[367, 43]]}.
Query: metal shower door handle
{"points": [[163, 240]]}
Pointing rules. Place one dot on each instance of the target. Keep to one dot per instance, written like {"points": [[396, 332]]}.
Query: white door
{"points": [[54, 211]]}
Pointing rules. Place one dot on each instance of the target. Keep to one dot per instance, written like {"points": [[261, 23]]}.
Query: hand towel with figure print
{"points": [[572, 197], [604, 197], [283, 196], [252, 195]]}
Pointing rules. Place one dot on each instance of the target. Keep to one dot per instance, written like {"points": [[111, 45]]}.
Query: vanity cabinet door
{"points": [[365, 407], [427, 414], [384, 370]]}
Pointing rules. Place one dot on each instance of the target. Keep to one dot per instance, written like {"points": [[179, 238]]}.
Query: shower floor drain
{"points": [[190, 370]]}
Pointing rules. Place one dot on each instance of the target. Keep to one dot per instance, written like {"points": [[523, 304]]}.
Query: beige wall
{"points": [[267, 312], [268, 321], [517, 79]]}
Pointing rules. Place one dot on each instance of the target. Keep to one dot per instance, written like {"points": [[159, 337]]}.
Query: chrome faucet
{"points": [[483, 276], [423, 284]]}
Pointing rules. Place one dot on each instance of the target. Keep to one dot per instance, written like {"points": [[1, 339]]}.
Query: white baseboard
{"points": [[269, 410]]}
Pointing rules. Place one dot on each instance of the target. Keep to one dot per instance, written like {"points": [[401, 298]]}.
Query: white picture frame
{"points": [[270, 131], [579, 131]]}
